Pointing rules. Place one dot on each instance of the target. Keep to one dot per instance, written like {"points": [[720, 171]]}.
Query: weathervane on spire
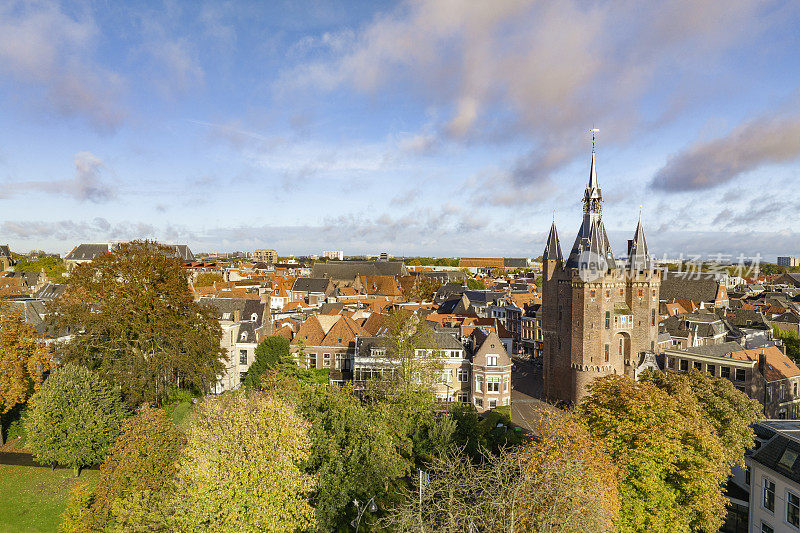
{"points": [[594, 132]]}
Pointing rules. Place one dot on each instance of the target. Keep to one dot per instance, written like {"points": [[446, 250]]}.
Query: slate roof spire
{"points": [[639, 257], [592, 243], [552, 250]]}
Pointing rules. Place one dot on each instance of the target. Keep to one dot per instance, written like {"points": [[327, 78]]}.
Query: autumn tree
{"points": [[73, 418], [241, 468], [414, 359], [24, 360], [207, 279], [672, 458], [136, 480], [422, 290], [559, 482], [134, 320]]}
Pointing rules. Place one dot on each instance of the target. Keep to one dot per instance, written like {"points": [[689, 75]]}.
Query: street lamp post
{"points": [[356, 522]]}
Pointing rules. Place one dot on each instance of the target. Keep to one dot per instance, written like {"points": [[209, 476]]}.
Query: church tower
{"points": [[599, 314]]}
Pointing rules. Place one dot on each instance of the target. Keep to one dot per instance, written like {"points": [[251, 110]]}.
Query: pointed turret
{"points": [[638, 255], [553, 249]]}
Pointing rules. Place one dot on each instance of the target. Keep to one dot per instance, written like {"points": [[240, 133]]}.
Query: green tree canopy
{"points": [[269, 353], [134, 320], [241, 469], [52, 265], [73, 418], [136, 480], [672, 458]]}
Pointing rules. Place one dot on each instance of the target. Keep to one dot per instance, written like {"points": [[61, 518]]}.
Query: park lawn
{"points": [[33, 498]]}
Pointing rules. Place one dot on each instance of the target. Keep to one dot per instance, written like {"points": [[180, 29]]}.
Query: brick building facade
{"points": [[599, 314]]}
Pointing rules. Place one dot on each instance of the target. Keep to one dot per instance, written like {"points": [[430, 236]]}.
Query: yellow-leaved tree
{"points": [[241, 468], [24, 360]]}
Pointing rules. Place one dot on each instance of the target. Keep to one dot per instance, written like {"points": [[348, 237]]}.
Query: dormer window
{"points": [[339, 340], [254, 317], [244, 336]]}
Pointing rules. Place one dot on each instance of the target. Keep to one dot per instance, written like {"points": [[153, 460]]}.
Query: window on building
{"points": [[711, 370], [769, 394], [641, 293], [478, 383], [242, 357], [652, 317], [769, 495], [326, 360], [505, 383], [312, 360], [491, 360], [242, 377], [747, 476], [339, 340], [725, 372], [794, 389], [766, 528], [793, 509], [684, 365], [740, 374], [492, 404], [492, 383], [592, 293], [698, 365], [463, 375], [622, 292], [621, 345], [478, 402], [463, 397], [608, 319], [788, 457], [454, 354], [608, 350], [506, 401]]}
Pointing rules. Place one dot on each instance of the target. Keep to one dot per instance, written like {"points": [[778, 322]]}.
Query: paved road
{"points": [[526, 391]]}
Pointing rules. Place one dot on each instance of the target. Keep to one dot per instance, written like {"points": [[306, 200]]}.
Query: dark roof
{"points": [[87, 252], [513, 262], [5, 251], [31, 278], [552, 249], [50, 291], [694, 286], [448, 291], [484, 297], [349, 270], [226, 308], [717, 350], [319, 285], [772, 452]]}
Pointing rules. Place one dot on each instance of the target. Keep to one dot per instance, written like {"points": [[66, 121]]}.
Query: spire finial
{"points": [[640, 213], [594, 132]]}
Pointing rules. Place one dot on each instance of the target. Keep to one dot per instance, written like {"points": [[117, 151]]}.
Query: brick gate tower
{"points": [[600, 314]]}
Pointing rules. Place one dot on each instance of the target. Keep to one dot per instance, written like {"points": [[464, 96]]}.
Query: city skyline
{"points": [[421, 128]]}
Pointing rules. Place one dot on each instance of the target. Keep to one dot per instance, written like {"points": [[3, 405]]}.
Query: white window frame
{"points": [[491, 360]]}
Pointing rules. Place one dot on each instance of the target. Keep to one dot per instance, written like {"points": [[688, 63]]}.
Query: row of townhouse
{"points": [[764, 374]]}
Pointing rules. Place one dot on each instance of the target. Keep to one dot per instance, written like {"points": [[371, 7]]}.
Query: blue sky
{"points": [[428, 127]]}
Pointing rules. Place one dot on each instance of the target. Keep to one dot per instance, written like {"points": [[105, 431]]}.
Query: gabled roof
{"points": [[87, 252], [310, 332], [349, 270], [5, 251], [316, 285], [694, 286]]}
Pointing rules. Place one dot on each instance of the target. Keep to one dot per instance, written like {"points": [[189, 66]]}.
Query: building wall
{"points": [[758, 512], [579, 345]]}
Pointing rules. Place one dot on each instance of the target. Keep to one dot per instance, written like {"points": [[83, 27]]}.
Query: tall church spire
{"points": [[592, 245], [553, 249]]}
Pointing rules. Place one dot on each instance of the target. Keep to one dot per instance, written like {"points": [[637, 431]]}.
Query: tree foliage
{"points": [[52, 265], [207, 279], [24, 360], [73, 418], [134, 320], [422, 290], [136, 480], [790, 340], [354, 453], [414, 359], [269, 353], [240, 470], [559, 482], [672, 458], [475, 284]]}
